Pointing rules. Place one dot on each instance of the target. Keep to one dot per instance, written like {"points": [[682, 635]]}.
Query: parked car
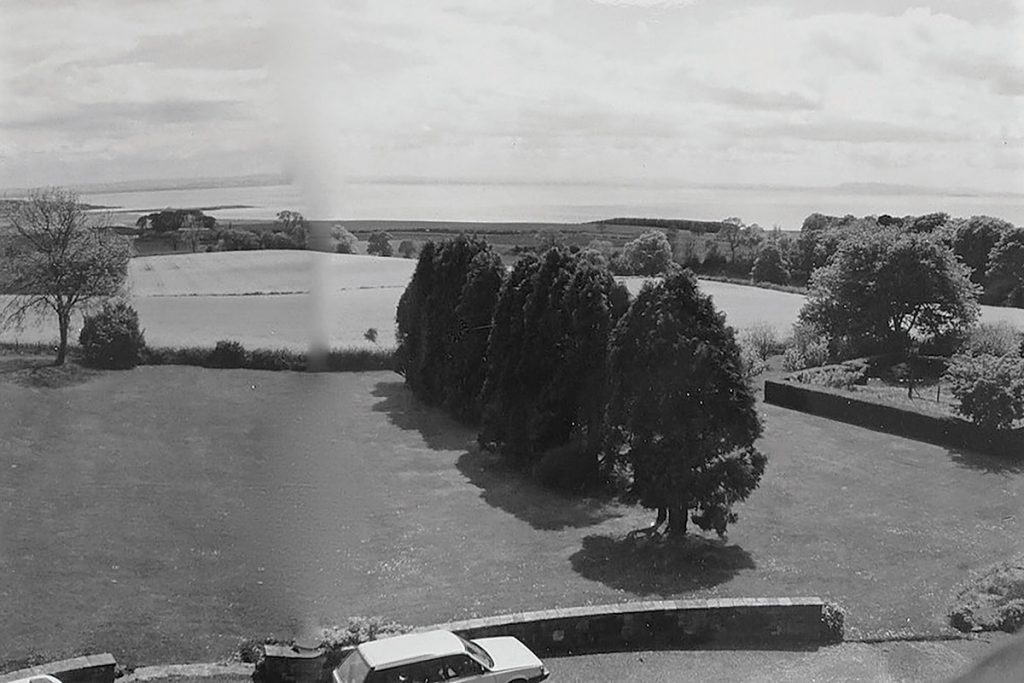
{"points": [[436, 656], [38, 678]]}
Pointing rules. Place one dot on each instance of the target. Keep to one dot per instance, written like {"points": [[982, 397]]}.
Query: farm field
{"points": [[183, 299], [175, 510]]}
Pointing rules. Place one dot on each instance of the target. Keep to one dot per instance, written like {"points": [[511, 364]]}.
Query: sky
{"points": [[658, 92]]}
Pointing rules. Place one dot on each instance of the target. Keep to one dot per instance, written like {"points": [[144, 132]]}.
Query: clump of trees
{"points": [[170, 220], [344, 241], [550, 360], [885, 288], [61, 261]]}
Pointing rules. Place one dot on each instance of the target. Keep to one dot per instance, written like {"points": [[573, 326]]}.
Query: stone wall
{"points": [[89, 669], [944, 431]]}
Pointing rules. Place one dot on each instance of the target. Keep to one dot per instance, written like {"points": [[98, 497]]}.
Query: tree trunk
{"points": [[64, 322], [678, 517]]}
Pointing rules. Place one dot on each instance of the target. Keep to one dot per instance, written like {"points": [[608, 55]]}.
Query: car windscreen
{"points": [[353, 669], [478, 653]]}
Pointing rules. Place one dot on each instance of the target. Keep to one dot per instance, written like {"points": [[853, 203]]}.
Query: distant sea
{"points": [[562, 203]]}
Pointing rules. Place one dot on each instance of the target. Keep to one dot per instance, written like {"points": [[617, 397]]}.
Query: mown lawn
{"points": [[162, 513]]}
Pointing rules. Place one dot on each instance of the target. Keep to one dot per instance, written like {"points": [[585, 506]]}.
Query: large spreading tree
{"points": [[884, 289], [680, 412], [60, 261]]}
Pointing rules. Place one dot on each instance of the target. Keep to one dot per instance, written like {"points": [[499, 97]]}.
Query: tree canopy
{"points": [[62, 260], [883, 288], [680, 412], [1005, 273]]}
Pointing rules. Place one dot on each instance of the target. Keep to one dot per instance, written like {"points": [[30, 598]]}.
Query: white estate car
{"points": [[436, 656]]}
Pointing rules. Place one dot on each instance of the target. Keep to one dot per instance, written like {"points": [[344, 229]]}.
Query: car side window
{"points": [[460, 666]]}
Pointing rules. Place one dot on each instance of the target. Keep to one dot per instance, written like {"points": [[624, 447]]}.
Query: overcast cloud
{"points": [[690, 91]]}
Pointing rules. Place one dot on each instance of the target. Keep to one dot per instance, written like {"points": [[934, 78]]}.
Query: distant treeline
{"points": [[667, 223]]}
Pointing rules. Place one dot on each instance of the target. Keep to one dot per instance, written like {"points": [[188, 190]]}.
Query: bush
{"points": [[345, 241], [994, 339], [336, 640], [762, 338], [832, 623], [111, 338], [806, 349], [227, 354], [279, 240], [843, 376], [238, 240], [989, 389], [752, 364], [406, 249], [275, 359]]}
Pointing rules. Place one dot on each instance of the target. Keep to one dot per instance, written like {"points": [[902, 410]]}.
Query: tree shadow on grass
{"points": [[405, 411], [659, 566], [988, 463], [40, 372], [542, 508]]}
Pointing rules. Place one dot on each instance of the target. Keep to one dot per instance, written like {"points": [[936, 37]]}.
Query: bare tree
{"points": [[60, 262]]}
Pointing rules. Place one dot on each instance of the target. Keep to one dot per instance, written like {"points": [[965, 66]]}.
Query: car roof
{"points": [[410, 647]]}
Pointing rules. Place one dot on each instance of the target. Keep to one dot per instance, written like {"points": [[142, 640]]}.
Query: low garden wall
{"points": [[944, 431], [754, 623], [89, 669]]}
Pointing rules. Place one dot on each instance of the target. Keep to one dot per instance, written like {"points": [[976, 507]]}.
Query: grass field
{"points": [[162, 513]]}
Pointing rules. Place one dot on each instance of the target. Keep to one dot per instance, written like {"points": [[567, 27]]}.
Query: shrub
{"points": [[762, 338], [832, 623], [227, 354], [406, 249], [335, 640], [345, 241], [994, 339], [275, 359], [989, 389], [111, 338], [843, 376], [806, 349], [751, 361], [238, 240], [279, 240]]}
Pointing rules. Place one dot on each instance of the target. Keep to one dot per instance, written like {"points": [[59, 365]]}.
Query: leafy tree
{"points": [[406, 249], [379, 244], [680, 412], [769, 266], [648, 254], [293, 223], [277, 240], [345, 241], [972, 241], [549, 239], [61, 262], [884, 288], [1006, 270]]}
